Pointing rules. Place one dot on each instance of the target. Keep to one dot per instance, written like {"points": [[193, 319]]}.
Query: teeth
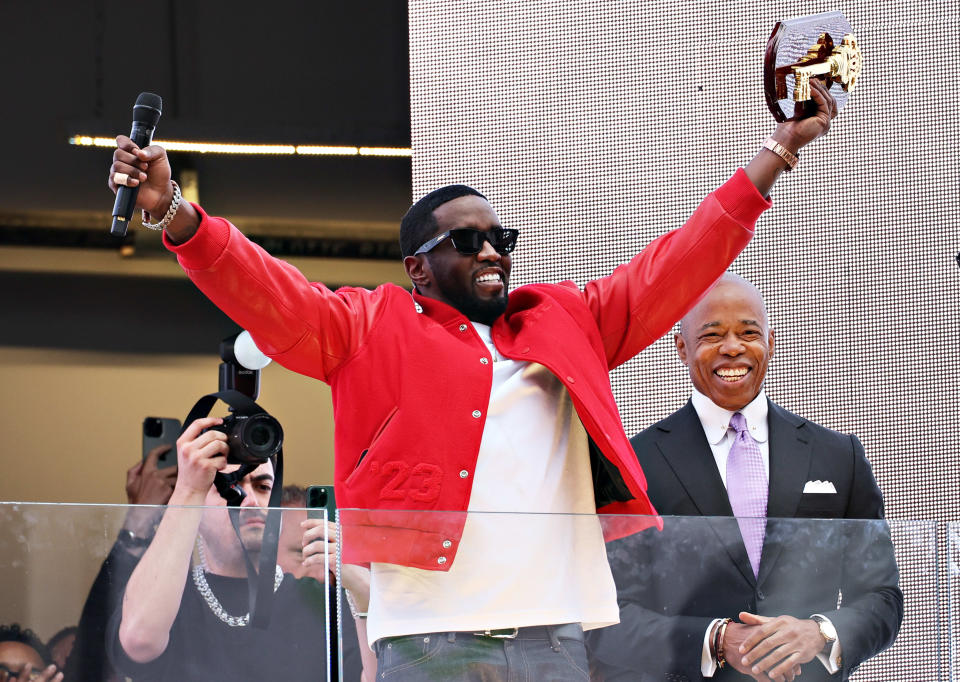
{"points": [[737, 373], [490, 277]]}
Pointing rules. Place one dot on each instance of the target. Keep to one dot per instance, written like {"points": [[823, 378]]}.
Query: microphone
{"points": [[146, 113]]}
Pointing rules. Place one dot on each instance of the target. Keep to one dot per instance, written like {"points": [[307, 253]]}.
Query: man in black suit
{"points": [[698, 601]]}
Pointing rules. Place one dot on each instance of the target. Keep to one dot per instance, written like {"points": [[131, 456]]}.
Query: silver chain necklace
{"points": [[200, 580]]}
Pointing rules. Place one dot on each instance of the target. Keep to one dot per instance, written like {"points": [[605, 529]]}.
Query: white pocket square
{"points": [[819, 487]]}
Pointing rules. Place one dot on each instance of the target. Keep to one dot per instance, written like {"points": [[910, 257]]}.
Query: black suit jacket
{"points": [[672, 584]]}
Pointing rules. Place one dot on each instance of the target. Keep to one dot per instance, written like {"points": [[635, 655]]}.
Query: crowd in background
{"points": [[79, 653]]}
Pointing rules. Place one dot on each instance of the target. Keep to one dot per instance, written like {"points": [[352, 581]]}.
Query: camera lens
{"points": [[152, 427], [261, 436]]}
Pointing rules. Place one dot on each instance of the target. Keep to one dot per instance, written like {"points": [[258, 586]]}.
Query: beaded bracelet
{"points": [[718, 646]]}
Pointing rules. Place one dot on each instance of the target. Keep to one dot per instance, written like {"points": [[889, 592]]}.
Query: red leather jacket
{"points": [[410, 391]]}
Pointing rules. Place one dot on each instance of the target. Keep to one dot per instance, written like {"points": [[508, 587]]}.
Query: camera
{"points": [[252, 438]]}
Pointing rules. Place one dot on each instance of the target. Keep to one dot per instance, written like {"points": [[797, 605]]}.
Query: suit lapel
{"points": [[686, 450], [790, 453]]}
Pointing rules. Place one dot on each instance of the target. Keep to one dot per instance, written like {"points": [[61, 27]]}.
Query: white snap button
{"points": [[484, 361], [442, 560], [463, 327], [447, 544], [464, 473], [476, 414]]}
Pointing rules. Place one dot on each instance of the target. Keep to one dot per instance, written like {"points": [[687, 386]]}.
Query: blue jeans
{"points": [[537, 654]]}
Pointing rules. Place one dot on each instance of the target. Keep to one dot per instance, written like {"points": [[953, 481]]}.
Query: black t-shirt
{"points": [[204, 648]]}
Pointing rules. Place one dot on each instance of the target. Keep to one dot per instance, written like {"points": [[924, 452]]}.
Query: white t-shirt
{"points": [[532, 551]]}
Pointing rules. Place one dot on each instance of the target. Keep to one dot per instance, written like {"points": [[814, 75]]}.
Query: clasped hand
{"points": [[771, 649]]}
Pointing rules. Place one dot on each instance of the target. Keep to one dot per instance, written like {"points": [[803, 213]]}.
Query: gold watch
{"points": [[827, 631]]}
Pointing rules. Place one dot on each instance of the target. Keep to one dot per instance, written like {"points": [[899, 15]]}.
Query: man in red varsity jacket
{"points": [[463, 400]]}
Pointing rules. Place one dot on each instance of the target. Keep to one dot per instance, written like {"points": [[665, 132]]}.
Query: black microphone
{"points": [[146, 113]]}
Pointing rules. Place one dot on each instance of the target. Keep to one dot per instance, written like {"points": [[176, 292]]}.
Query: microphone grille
{"points": [[148, 99], [148, 108]]}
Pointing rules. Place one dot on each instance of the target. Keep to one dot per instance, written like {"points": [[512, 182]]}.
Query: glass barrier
{"points": [[420, 573], [953, 597], [185, 609], [439, 584]]}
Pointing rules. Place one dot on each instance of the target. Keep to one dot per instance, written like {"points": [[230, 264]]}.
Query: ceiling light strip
{"points": [[261, 149]]}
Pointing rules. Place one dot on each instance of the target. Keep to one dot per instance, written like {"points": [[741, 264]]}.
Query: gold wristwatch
{"points": [[827, 631]]}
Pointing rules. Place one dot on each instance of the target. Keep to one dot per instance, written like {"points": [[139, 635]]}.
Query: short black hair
{"points": [[419, 225], [14, 633], [62, 633], [293, 496]]}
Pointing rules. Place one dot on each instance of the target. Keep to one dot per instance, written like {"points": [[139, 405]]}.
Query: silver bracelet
{"points": [[172, 211], [354, 611]]}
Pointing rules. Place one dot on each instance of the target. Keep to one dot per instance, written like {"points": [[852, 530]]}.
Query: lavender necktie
{"points": [[747, 489]]}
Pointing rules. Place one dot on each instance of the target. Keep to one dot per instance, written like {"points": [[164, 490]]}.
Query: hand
{"points": [[776, 646], [315, 546], [733, 638], [200, 455], [48, 674], [146, 484], [797, 132], [356, 579], [148, 169]]}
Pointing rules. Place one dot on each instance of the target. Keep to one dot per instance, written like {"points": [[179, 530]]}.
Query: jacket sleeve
{"points": [[641, 300], [654, 639], [88, 660], [304, 326], [871, 611], [648, 643]]}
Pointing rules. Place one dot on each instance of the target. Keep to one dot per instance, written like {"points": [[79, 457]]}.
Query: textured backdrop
{"points": [[596, 126]]}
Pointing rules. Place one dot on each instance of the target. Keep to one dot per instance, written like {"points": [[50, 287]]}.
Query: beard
{"points": [[465, 299], [478, 310]]}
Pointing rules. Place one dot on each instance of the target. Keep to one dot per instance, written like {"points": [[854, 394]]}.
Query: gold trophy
{"points": [[819, 46]]}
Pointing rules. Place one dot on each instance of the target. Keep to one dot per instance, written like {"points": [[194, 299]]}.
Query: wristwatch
{"points": [[827, 631], [127, 538]]}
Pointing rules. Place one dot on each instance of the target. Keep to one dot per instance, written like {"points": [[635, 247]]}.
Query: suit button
{"points": [[760, 596]]}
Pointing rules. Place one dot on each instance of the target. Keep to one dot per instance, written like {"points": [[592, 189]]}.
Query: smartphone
{"points": [[321, 497], [161, 431]]}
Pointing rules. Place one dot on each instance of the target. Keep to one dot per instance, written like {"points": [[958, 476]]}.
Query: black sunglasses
{"points": [[469, 241]]}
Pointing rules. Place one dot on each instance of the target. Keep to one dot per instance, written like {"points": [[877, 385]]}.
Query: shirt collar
{"points": [[716, 420], [484, 332]]}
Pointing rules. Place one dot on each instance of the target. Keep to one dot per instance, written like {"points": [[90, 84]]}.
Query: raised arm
{"points": [[152, 598], [303, 325], [793, 135], [641, 300], [149, 169]]}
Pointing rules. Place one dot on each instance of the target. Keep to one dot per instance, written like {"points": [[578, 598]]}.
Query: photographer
{"points": [[181, 624]]}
